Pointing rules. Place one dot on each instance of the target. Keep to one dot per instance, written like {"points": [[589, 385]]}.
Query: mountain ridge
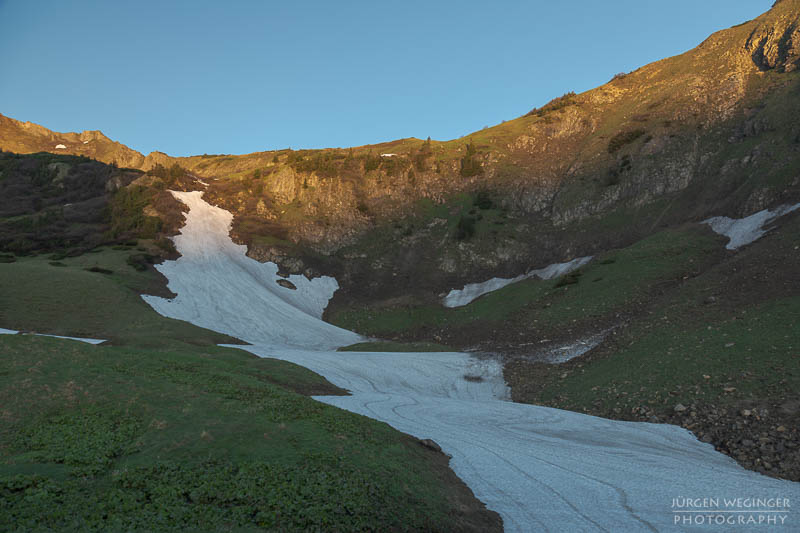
{"points": [[693, 135]]}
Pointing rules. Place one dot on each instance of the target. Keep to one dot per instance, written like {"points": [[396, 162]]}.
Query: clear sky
{"points": [[201, 76]]}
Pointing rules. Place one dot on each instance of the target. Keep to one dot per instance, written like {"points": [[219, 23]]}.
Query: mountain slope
{"points": [[706, 132]]}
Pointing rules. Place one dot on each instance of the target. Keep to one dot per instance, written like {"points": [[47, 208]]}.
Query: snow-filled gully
{"points": [[542, 469]]}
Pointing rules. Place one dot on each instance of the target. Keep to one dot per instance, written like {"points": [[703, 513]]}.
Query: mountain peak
{"points": [[26, 137]]}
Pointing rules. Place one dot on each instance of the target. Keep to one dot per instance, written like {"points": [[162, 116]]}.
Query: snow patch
{"points": [[80, 339], [471, 291], [222, 289], [565, 352], [742, 231]]}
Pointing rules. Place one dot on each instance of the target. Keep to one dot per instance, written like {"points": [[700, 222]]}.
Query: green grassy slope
{"points": [[162, 430], [615, 282]]}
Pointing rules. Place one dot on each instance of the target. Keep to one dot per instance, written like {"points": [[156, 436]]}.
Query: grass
{"points": [[738, 348], [162, 430], [68, 299], [607, 285], [680, 363], [117, 438]]}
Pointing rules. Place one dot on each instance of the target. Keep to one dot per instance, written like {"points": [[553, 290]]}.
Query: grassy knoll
{"points": [[68, 299], [162, 430]]}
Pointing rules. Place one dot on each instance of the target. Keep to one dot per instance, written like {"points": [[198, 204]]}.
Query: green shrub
{"points": [[569, 279], [140, 261], [465, 228], [566, 99], [483, 200], [469, 166], [127, 215], [622, 138], [99, 270], [371, 162], [166, 244]]}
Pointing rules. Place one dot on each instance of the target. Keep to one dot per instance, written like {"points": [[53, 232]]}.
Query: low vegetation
{"points": [[623, 138], [162, 430], [565, 100], [616, 282]]}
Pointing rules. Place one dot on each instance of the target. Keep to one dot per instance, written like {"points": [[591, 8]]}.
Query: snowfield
{"points": [[471, 291], [542, 469], [742, 231]]}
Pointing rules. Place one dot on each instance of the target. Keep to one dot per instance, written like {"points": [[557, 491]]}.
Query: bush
{"points": [[566, 99], [127, 216], [140, 261], [465, 228], [166, 244], [99, 270], [613, 177], [371, 162], [622, 138], [569, 279], [483, 200], [470, 167]]}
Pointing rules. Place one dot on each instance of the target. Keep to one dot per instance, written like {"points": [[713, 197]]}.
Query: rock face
{"points": [[285, 283], [776, 45]]}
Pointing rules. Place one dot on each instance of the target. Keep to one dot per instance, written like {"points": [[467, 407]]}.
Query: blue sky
{"points": [[235, 77]]}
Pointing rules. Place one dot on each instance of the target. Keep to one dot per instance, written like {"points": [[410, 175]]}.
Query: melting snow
{"points": [[565, 352], [81, 339], [214, 272], [742, 231], [459, 297], [542, 469]]}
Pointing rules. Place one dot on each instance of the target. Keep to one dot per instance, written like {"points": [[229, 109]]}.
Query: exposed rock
{"points": [[286, 284], [431, 445]]}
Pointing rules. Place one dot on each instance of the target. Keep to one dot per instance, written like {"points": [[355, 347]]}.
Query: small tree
{"points": [[470, 167]]}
